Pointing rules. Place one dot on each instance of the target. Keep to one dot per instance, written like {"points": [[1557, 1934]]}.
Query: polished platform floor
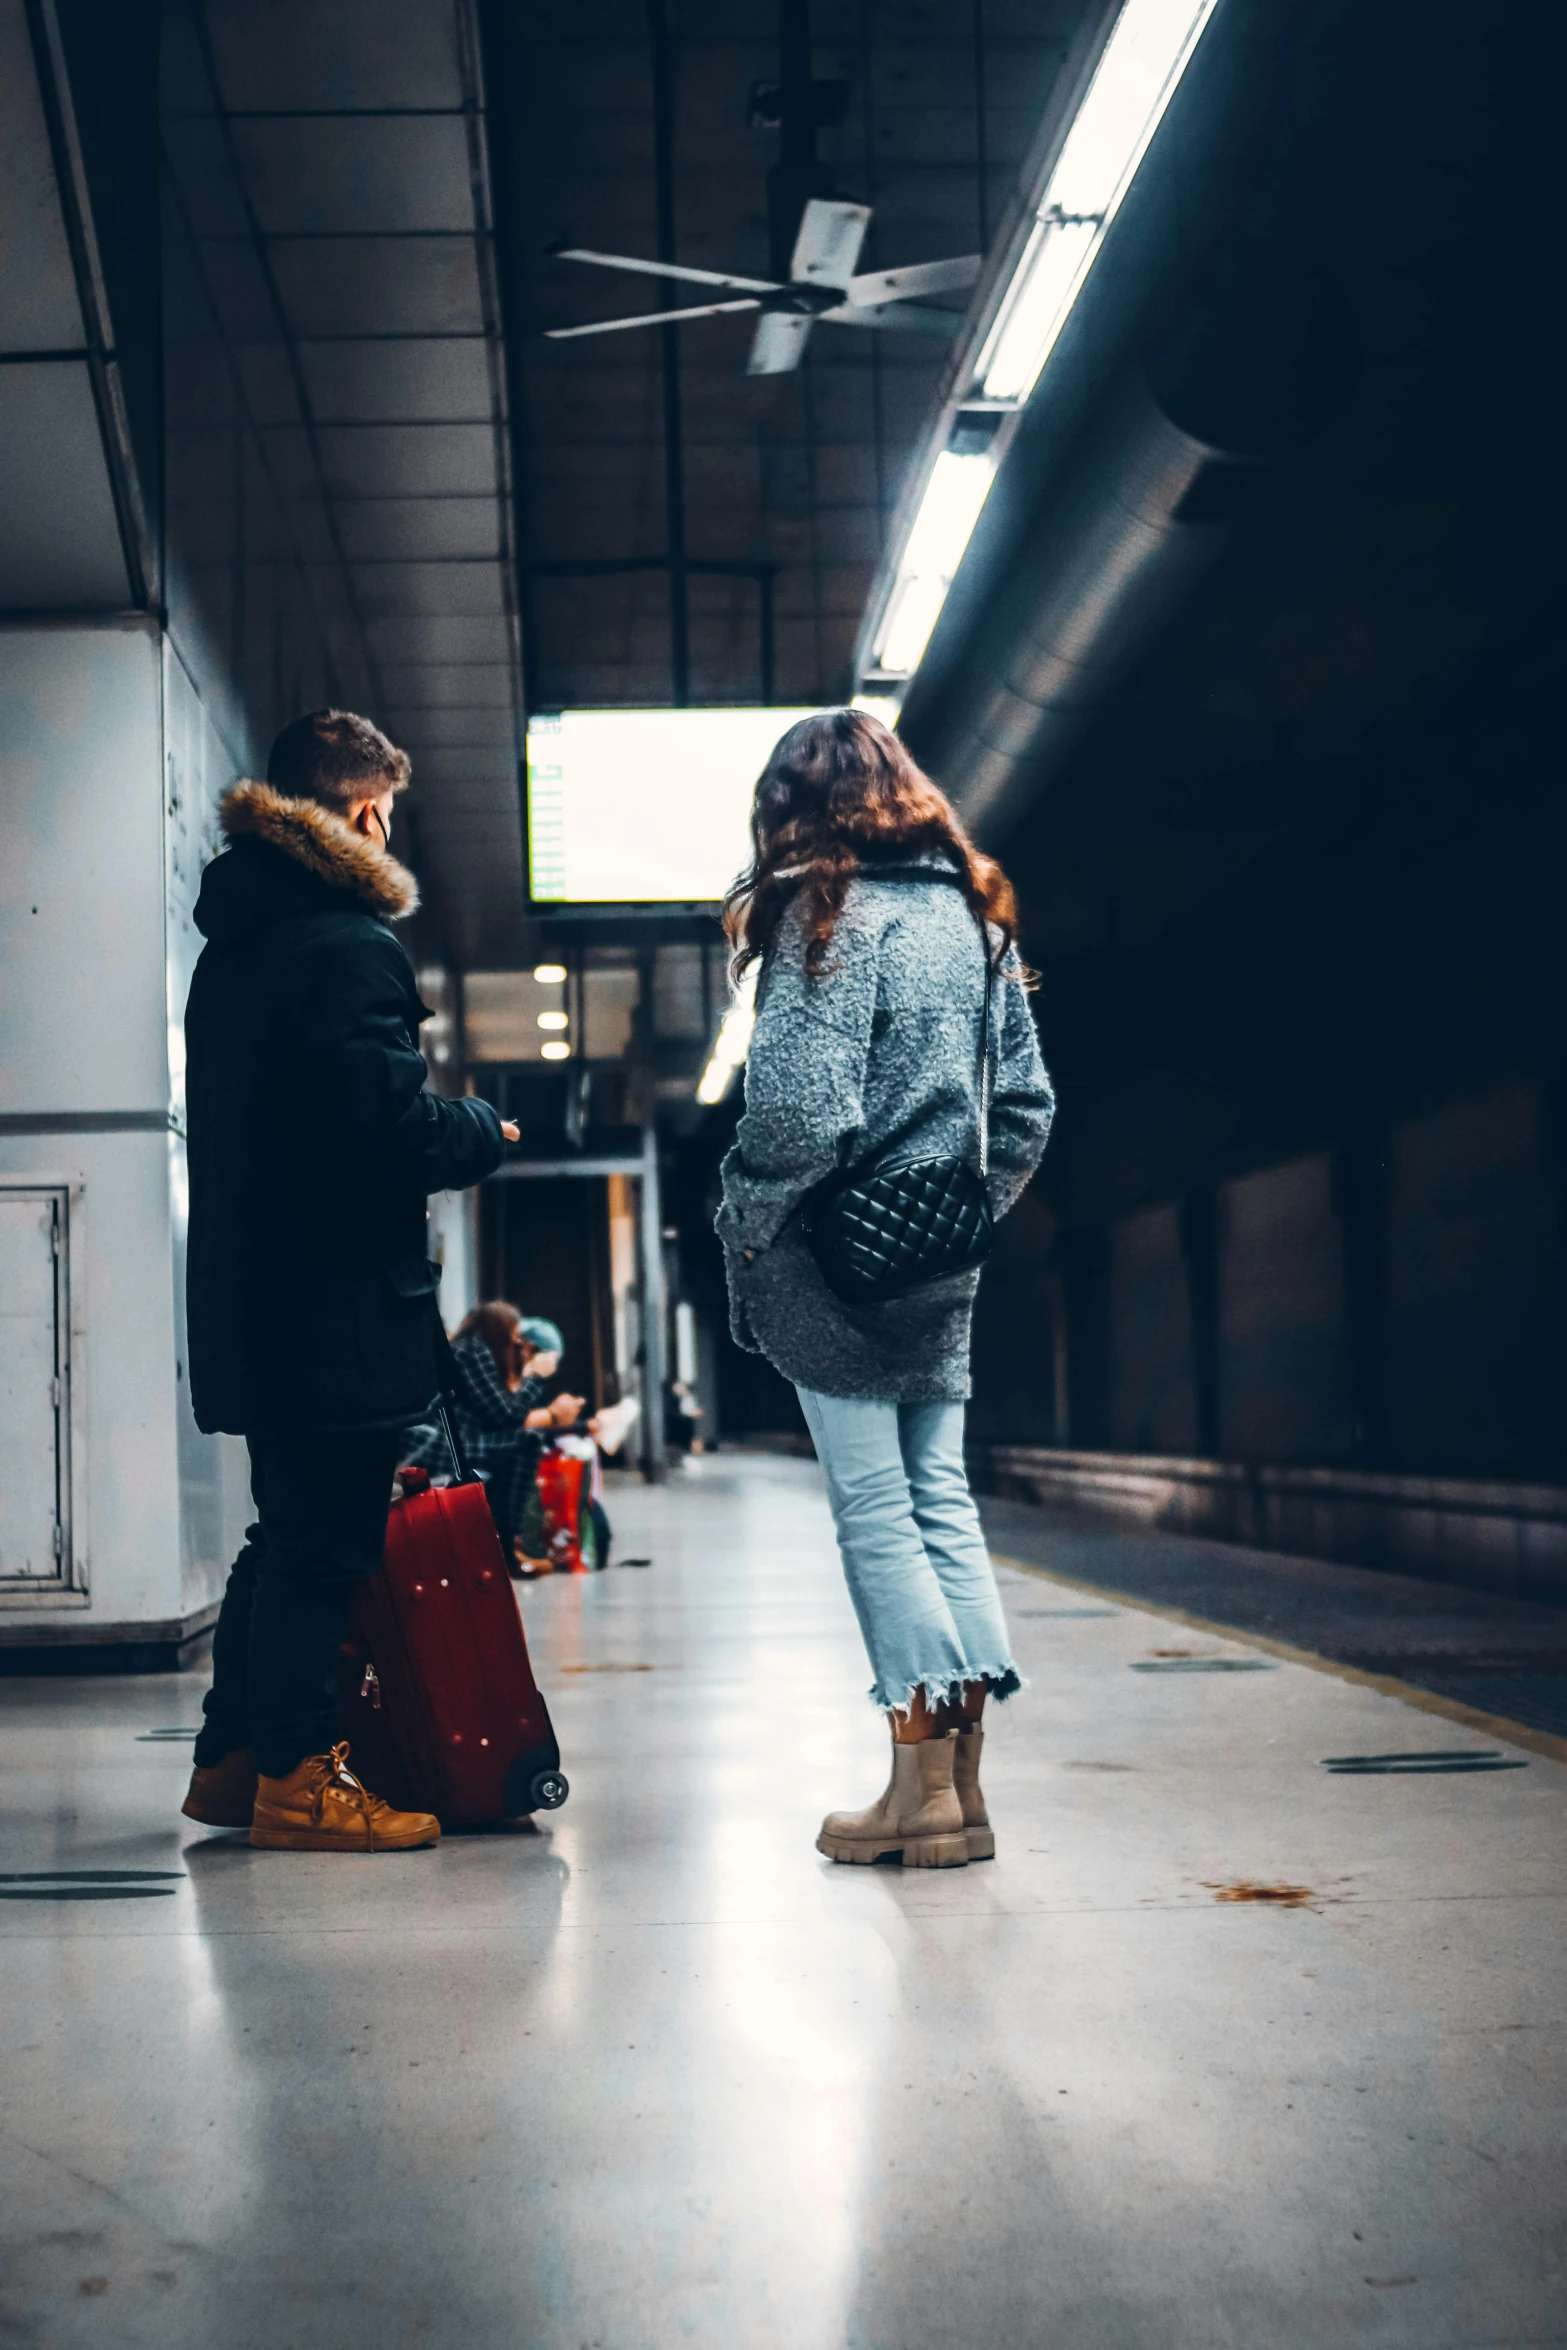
{"points": [[655, 2075]]}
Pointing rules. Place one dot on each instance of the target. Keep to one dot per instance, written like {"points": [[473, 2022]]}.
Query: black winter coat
{"points": [[313, 1143]]}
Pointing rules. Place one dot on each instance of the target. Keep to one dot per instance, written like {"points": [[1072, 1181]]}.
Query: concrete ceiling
{"points": [[797, 473], [330, 160], [75, 537], [450, 476]]}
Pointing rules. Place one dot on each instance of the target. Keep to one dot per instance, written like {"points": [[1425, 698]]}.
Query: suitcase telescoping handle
{"points": [[447, 1373], [453, 1444]]}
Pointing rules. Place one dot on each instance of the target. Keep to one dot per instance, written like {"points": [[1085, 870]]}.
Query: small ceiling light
{"points": [[732, 1044], [555, 1050], [553, 1020], [549, 974]]}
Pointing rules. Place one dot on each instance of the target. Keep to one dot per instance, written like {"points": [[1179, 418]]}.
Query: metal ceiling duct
{"points": [[1239, 364]]}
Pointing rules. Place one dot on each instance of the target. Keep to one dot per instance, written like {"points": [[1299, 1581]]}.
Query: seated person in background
{"points": [[501, 1362]]}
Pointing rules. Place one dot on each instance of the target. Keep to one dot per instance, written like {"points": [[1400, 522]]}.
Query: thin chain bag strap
{"points": [[881, 1229]]}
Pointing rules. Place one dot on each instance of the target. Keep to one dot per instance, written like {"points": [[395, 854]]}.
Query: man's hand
{"points": [[512, 1132]]}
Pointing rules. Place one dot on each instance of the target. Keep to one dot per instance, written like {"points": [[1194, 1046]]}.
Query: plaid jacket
{"points": [[488, 1417]]}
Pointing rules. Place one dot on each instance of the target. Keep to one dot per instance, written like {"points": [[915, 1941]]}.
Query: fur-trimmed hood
{"points": [[324, 844]]}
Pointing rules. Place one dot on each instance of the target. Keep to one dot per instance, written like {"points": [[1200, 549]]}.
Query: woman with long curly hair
{"points": [[887, 952]]}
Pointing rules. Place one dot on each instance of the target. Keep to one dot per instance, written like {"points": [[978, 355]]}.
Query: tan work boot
{"points": [[918, 1816], [224, 1794], [978, 1833], [321, 1807]]}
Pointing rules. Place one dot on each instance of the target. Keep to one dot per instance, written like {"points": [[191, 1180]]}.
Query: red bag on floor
{"points": [[439, 1704], [561, 1482]]}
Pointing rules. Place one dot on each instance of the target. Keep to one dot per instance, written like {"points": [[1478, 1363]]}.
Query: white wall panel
{"points": [[127, 1538], [109, 774], [81, 874]]}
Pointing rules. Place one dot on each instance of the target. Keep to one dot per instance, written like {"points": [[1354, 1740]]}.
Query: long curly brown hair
{"points": [[840, 791], [496, 1323]]}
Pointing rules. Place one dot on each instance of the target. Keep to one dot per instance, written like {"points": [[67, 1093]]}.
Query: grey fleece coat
{"points": [[884, 1042]]}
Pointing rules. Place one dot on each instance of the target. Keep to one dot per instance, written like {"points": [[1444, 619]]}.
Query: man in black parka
{"points": [[313, 1146]]}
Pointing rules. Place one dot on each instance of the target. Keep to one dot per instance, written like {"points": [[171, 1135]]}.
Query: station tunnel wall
{"points": [[1359, 1351], [1395, 1305]]}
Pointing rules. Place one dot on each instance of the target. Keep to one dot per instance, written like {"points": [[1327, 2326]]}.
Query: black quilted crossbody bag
{"points": [[894, 1224]]}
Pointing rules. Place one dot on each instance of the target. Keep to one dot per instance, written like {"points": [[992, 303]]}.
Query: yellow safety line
{"points": [[1387, 1685]]}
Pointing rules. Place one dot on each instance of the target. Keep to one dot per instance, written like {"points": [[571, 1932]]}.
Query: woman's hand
{"points": [[564, 1412], [511, 1131]]}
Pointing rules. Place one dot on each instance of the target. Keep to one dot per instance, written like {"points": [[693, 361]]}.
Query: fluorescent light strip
{"points": [[1054, 265], [1134, 81], [732, 1044], [954, 495]]}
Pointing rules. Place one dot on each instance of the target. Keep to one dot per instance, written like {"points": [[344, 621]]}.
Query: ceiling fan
{"points": [[822, 287]]}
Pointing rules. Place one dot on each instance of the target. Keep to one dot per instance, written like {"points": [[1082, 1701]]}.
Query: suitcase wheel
{"points": [[535, 1782]]}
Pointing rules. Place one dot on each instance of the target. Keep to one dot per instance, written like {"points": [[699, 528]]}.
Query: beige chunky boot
{"points": [[918, 1816], [978, 1833]]}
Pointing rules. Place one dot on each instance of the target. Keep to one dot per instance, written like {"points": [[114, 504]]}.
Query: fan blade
{"points": [[829, 242], [921, 277], [779, 343], [613, 326], [911, 317], [695, 277]]}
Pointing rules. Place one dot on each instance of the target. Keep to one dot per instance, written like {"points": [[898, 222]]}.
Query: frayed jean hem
{"points": [[1001, 1682], [914, 1552]]}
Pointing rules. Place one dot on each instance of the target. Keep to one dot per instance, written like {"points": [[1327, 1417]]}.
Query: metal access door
{"points": [[35, 1481]]}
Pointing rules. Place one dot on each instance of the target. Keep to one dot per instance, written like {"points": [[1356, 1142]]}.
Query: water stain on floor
{"points": [[1278, 1896]]}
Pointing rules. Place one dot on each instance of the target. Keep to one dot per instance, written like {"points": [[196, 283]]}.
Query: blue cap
{"points": [[544, 1337]]}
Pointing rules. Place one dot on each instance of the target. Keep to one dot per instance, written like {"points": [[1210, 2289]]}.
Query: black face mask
{"points": [[386, 838]]}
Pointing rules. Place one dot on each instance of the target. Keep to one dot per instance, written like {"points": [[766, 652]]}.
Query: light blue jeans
{"points": [[913, 1550]]}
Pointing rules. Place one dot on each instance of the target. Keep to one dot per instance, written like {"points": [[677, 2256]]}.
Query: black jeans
{"points": [[321, 1504]]}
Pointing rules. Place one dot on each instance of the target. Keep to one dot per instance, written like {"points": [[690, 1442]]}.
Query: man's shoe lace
{"points": [[332, 1776]]}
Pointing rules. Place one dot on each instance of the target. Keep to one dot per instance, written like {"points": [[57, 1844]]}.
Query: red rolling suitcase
{"points": [[439, 1704]]}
